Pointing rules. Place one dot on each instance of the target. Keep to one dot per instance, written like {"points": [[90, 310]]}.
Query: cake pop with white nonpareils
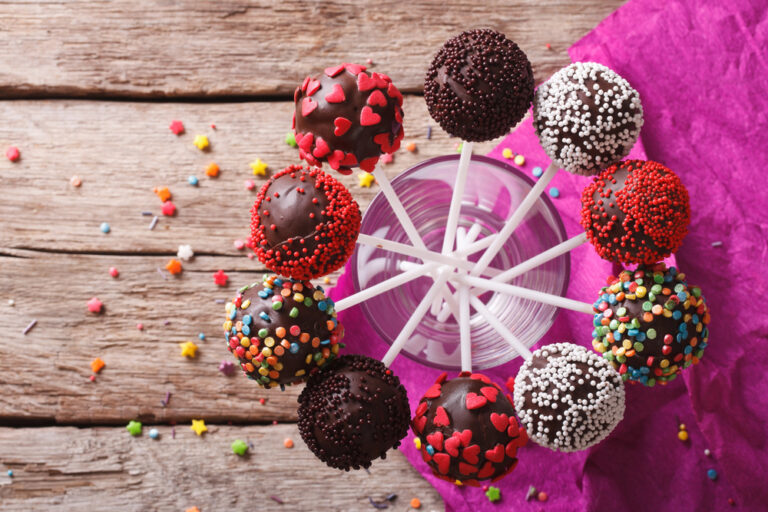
{"points": [[567, 397], [587, 117]]}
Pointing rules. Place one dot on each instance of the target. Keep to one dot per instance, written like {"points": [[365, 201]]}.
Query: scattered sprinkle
{"points": [[493, 494], [227, 368], [391, 497], [712, 474], [188, 349], [288, 442], [173, 432], [531, 493], [410, 147], [146, 214], [153, 222], [212, 170], [506, 153], [163, 193], [167, 399], [417, 443], [731, 501], [95, 305], [415, 503], [192, 509], [262, 401], [290, 139], [162, 274], [717, 244], [168, 208], [365, 179], [10, 473], [192, 180], [185, 252], [173, 266], [537, 171], [682, 435], [213, 126], [707, 452], [259, 168], [134, 428], [239, 447], [459, 146], [276, 499], [548, 46], [250, 184], [239, 245], [376, 504], [75, 181], [105, 227], [198, 427], [429, 132], [154, 433], [201, 142], [92, 378], [29, 327], [554, 192], [220, 278], [11, 302], [201, 336], [97, 365], [177, 127], [140, 327], [542, 496], [114, 272], [519, 160], [12, 153], [386, 158]]}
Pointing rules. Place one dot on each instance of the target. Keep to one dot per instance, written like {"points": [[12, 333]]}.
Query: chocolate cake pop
{"points": [[479, 85], [467, 429], [304, 223], [587, 117], [282, 330], [568, 398], [347, 118], [650, 324], [352, 411], [635, 211]]}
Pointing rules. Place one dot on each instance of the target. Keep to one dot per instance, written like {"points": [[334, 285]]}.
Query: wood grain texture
{"points": [[254, 48], [66, 469]]}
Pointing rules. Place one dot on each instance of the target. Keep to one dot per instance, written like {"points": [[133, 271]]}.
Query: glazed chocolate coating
{"points": [[479, 85], [353, 411], [304, 223], [370, 106], [476, 444], [270, 344]]}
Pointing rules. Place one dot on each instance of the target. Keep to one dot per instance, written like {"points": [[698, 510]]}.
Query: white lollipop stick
{"points": [[458, 193], [398, 208], [514, 221], [500, 328], [464, 329], [415, 318], [525, 293]]}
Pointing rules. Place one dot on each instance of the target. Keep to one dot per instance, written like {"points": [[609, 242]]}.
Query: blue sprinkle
{"points": [[640, 337], [233, 314], [192, 180], [430, 449], [282, 387], [278, 282], [246, 330], [322, 305], [682, 296], [617, 335], [554, 192], [247, 319], [264, 316], [201, 336], [10, 473], [325, 342], [687, 350], [263, 294], [105, 227], [633, 332], [677, 314], [154, 434], [537, 171], [429, 132], [294, 348], [712, 474], [233, 331]]}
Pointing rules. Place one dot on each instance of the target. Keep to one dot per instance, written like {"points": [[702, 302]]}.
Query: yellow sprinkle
{"points": [[263, 371], [640, 292], [506, 153], [365, 179], [308, 359], [519, 160], [298, 297], [259, 168], [266, 352], [201, 142], [269, 341], [458, 482], [300, 373], [664, 363], [682, 435], [627, 344], [245, 342], [417, 443], [318, 295], [245, 304], [227, 325]]}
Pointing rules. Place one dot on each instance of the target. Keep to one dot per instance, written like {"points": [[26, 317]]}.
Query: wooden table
{"points": [[89, 89]]}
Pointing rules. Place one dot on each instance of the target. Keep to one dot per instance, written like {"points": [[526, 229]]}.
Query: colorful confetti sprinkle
{"points": [[201, 142], [134, 428], [365, 179], [227, 368], [185, 253], [105, 228], [97, 365], [188, 349], [163, 193], [95, 305], [192, 180], [168, 209], [212, 170], [239, 447], [177, 127], [12, 154], [198, 427], [258, 167], [493, 494], [173, 266], [29, 327], [290, 139], [220, 278], [153, 222]]}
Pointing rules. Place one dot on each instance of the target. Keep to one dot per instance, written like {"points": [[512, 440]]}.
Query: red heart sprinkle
{"points": [[367, 116], [466, 469], [293, 120], [305, 83], [308, 105], [354, 68], [381, 80], [436, 440], [393, 92], [452, 446], [441, 418], [480, 377], [336, 95], [334, 70], [422, 408], [419, 424], [377, 98], [433, 392], [321, 148], [441, 378], [369, 164], [495, 455], [475, 401], [500, 421], [382, 140], [349, 160], [487, 471], [489, 393], [306, 142], [443, 461], [365, 83], [296, 94], [465, 436], [342, 124], [470, 453], [313, 86], [511, 450], [399, 115], [334, 159]]}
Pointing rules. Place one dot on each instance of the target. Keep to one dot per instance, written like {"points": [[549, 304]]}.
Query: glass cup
{"points": [[492, 193]]}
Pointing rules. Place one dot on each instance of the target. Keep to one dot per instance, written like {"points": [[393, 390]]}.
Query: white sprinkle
{"points": [[153, 223], [717, 244], [185, 252], [30, 326], [11, 302]]}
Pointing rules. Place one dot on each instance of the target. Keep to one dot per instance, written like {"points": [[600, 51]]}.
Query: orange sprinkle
{"points": [[193, 509], [163, 193], [415, 503], [173, 266], [212, 170], [411, 146], [288, 442], [249, 367], [97, 364], [648, 317], [274, 374], [280, 332]]}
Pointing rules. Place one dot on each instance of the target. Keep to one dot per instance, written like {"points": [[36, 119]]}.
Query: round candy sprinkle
{"points": [[712, 474], [519, 160], [554, 192], [12, 153], [105, 227], [201, 336], [707, 452], [650, 324], [154, 433], [192, 180], [507, 153], [682, 435], [288, 442], [586, 117], [415, 503], [114, 272], [10, 473], [537, 171], [568, 398], [239, 447]]}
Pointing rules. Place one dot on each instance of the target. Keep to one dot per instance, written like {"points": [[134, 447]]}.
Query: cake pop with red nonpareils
{"points": [[568, 398], [304, 223], [348, 118], [467, 429], [650, 324], [636, 211], [587, 117], [353, 411], [479, 85]]}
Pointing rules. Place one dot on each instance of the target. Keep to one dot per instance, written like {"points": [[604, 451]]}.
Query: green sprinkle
{"points": [[651, 334], [656, 289], [639, 347], [647, 305], [277, 306], [263, 333], [134, 428], [290, 139], [239, 447], [318, 356], [307, 301], [614, 324], [670, 305], [679, 287], [294, 312], [696, 291], [658, 277], [493, 494], [621, 311], [650, 383], [651, 296]]}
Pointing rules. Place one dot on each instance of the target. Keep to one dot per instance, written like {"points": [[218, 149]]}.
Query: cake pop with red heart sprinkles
{"points": [[468, 430], [636, 211], [347, 118], [479, 85], [304, 223]]}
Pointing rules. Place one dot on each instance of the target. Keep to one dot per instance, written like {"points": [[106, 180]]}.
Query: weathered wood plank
{"points": [[63, 469], [212, 48]]}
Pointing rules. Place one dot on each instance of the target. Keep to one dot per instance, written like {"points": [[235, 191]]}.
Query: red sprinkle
{"points": [[12, 153], [177, 127]]}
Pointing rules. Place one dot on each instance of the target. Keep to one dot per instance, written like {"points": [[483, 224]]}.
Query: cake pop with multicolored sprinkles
{"points": [[587, 117], [353, 411], [282, 330], [479, 85], [348, 118], [467, 429], [650, 324], [635, 211], [304, 223], [568, 398]]}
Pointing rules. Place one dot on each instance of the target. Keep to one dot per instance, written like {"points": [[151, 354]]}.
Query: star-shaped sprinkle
{"points": [[173, 266], [220, 278], [163, 193], [168, 208], [259, 168], [212, 170], [239, 447], [97, 364], [386, 158], [177, 127], [227, 367], [365, 179], [12, 153], [95, 305], [134, 428], [493, 494], [201, 142], [185, 252], [290, 139], [188, 349], [198, 426]]}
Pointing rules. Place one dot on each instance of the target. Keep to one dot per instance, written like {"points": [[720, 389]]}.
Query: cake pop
{"points": [[467, 429], [282, 330], [650, 324], [304, 223], [587, 117], [635, 211], [567, 397], [479, 85], [347, 118], [352, 411]]}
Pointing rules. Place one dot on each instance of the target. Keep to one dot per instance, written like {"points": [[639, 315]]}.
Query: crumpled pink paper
{"points": [[700, 69]]}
